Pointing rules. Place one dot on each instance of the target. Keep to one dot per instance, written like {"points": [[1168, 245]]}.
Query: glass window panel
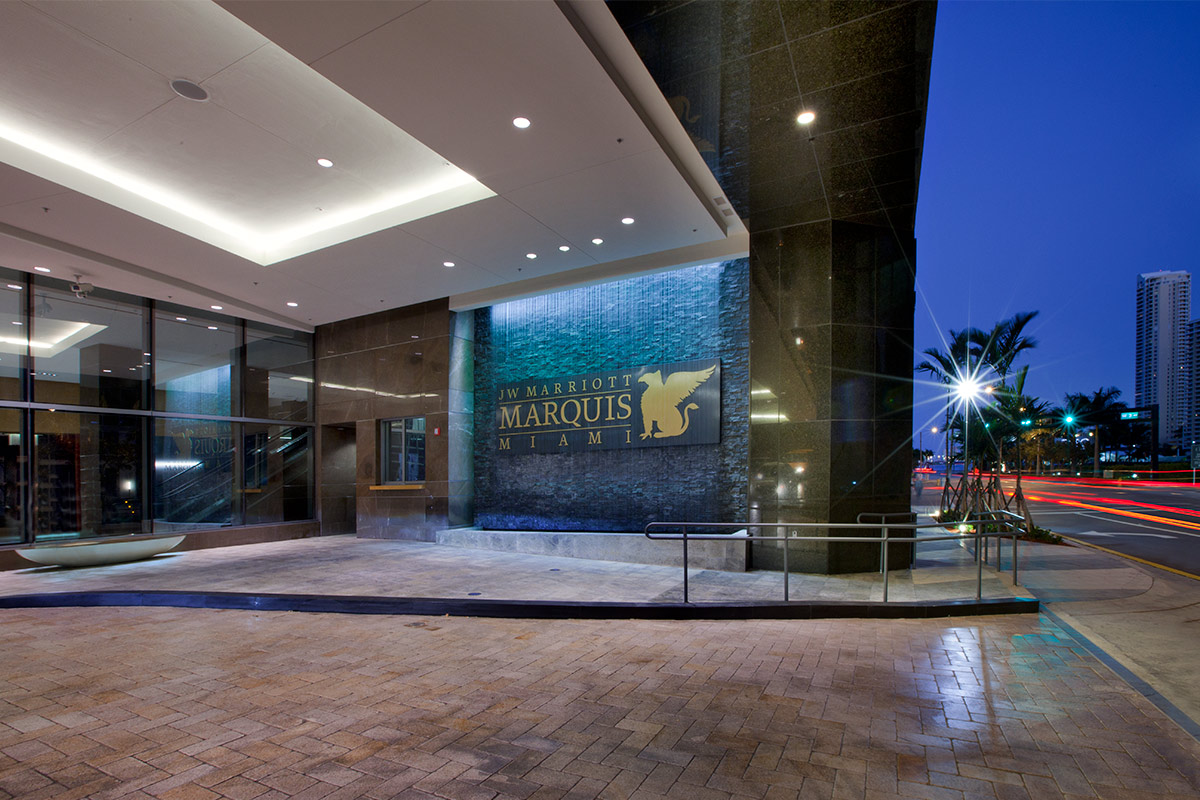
{"points": [[279, 373], [13, 487], [193, 475], [414, 449], [195, 362], [13, 345], [277, 475], [402, 450], [88, 475], [88, 351]]}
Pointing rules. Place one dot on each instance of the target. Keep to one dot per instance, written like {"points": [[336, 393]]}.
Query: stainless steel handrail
{"points": [[1012, 522]]}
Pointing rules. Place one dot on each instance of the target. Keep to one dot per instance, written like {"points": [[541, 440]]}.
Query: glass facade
{"points": [[193, 474], [88, 351], [279, 373], [122, 416], [195, 362], [14, 344], [278, 461], [87, 475], [12, 462]]}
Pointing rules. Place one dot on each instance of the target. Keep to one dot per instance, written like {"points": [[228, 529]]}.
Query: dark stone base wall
{"points": [[688, 314]]}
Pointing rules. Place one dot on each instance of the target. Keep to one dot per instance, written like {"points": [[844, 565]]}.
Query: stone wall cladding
{"points": [[392, 364], [687, 314]]}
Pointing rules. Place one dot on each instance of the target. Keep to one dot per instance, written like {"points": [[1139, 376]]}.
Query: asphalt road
{"points": [[1156, 522]]}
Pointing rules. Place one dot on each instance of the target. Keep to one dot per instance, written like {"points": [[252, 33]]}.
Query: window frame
{"points": [[385, 450]]}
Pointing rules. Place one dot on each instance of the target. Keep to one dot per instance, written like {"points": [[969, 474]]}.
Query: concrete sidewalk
{"points": [[1144, 619], [183, 704]]}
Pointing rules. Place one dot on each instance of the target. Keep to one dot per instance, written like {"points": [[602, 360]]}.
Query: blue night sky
{"points": [[1062, 158]]}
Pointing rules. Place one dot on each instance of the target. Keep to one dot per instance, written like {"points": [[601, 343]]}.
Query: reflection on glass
{"points": [[13, 486], [195, 361], [88, 351], [277, 474], [193, 474], [13, 345], [403, 450], [88, 475], [279, 373]]}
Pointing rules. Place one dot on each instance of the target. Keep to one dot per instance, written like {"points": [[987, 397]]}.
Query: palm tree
{"points": [[1000, 347], [1099, 409], [970, 353], [948, 368]]}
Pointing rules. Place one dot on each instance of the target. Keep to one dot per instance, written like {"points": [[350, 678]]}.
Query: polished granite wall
{"points": [[403, 362], [830, 211], [682, 315]]}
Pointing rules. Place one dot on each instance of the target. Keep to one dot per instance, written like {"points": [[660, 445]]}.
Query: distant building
{"points": [[1163, 366], [1192, 435]]}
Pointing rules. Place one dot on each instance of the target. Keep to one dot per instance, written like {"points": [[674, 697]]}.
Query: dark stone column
{"points": [[830, 212]]}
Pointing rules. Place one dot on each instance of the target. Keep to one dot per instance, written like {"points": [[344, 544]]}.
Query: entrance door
{"points": [[338, 464]]}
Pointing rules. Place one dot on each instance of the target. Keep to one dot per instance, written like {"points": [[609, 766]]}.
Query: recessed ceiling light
{"points": [[520, 122], [627, 221], [42, 269], [217, 308], [293, 305], [106, 370], [324, 162], [212, 327], [597, 241], [447, 263], [189, 90], [563, 248], [181, 319], [806, 117], [146, 354], [14, 286], [16, 323], [531, 255]]}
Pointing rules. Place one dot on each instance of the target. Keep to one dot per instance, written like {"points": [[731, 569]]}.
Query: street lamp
{"points": [[967, 389], [921, 442], [1069, 424]]}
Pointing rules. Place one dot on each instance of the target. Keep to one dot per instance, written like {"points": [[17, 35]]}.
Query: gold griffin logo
{"points": [[661, 399]]}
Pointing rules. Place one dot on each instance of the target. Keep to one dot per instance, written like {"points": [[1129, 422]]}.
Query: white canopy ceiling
{"points": [[110, 174]]}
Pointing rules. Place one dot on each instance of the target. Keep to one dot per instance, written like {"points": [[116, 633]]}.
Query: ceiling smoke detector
{"points": [[189, 90]]}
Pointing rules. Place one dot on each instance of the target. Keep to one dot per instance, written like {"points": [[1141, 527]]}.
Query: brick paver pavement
{"points": [[191, 704]]}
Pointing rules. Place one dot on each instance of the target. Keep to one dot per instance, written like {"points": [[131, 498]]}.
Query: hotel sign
{"points": [[651, 406]]}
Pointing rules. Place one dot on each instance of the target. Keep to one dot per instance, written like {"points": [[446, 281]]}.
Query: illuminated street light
{"points": [[968, 389]]}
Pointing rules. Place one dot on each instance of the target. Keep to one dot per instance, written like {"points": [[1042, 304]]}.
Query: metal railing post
{"points": [[685, 565], [884, 558], [1016, 535], [979, 566], [786, 572]]}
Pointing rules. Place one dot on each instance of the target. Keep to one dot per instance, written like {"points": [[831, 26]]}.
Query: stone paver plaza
{"points": [[190, 704]]}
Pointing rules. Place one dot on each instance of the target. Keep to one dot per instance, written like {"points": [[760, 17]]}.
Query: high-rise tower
{"points": [[1163, 367]]}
